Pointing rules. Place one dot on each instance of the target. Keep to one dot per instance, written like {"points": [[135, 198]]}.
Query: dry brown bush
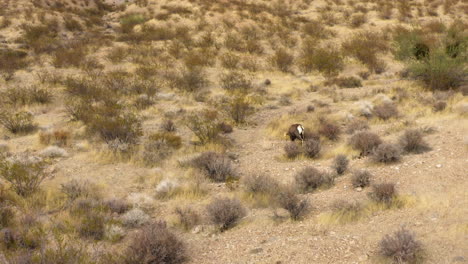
{"points": [[384, 192], [155, 243], [310, 179], [355, 125], [187, 217], [386, 110], [412, 141], [225, 212], [291, 202], [361, 178], [365, 46], [340, 164], [401, 247], [329, 130], [215, 166], [292, 150], [282, 59], [365, 142], [387, 153]]}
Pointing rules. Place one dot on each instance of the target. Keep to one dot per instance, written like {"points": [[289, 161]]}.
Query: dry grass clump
{"points": [[365, 142], [387, 153], [412, 141], [188, 217], [309, 179], [357, 20], [439, 106], [215, 166], [92, 225], [23, 172], [385, 111], [59, 137], [168, 126], [172, 140], [225, 128], [312, 147], [340, 164], [260, 184], [384, 193], [155, 243], [118, 206], [20, 122], [361, 178], [189, 79], [291, 202], [347, 211], [345, 82], [155, 151], [70, 55], [329, 130], [401, 246], [225, 212], [25, 95], [292, 150]]}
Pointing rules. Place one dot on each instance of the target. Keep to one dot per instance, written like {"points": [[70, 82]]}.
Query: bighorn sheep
{"points": [[296, 131]]}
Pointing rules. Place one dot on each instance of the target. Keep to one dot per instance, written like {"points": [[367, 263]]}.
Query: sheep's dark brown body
{"points": [[296, 131]]}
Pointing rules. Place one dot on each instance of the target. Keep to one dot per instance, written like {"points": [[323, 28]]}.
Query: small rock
{"points": [[458, 259], [267, 82], [256, 250], [197, 230], [359, 189], [439, 166]]}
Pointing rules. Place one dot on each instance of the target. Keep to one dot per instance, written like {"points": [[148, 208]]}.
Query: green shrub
{"points": [[204, 125], [17, 122], [326, 60], [364, 46], [24, 173], [440, 71]]}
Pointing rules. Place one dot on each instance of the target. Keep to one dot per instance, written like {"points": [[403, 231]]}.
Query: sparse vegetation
{"points": [[387, 153], [401, 246], [309, 179], [292, 203], [292, 150], [412, 141], [215, 166], [361, 178], [365, 142], [340, 164], [384, 193], [225, 212]]}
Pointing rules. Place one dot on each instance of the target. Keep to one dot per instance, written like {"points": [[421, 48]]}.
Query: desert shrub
{"points": [[69, 55], [260, 184], [292, 203], [347, 210], [155, 151], [92, 225], [7, 216], [215, 166], [329, 130], [230, 60], [364, 46], [409, 44], [24, 95], [292, 150], [310, 108], [401, 246], [345, 82], [365, 142], [170, 139], [225, 128], [239, 108], [440, 71], [166, 188], [412, 141], [327, 60], [387, 153], [225, 212], [135, 217], [118, 206], [187, 217], [155, 243], [310, 179], [384, 193], [385, 110], [312, 147], [41, 38], [72, 24], [11, 61], [9, 238], [236, 81], [84, 205], [361, 178], [356, 125], [168, 126], [53, 152], [112, 123], [17, 122], [316, 29], [25, 173], [439, 106], [129, 21], [204, 125], [340, 164], [74, 189], [357, 20], [282, 59], [190, 79]]}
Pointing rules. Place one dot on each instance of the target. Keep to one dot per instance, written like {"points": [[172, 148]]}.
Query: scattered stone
{"points": [[359, 189], [439, 166], [256, 250]]}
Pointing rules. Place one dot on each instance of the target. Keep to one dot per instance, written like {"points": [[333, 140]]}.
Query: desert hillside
{"points": [[165, 131]]}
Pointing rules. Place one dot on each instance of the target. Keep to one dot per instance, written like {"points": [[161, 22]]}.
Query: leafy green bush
{"points": [[25, 173]]}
